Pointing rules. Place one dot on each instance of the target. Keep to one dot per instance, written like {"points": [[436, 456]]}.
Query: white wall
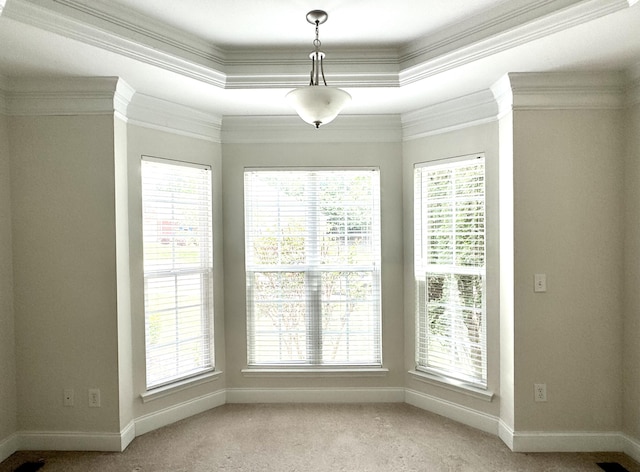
{"points": [[152, 142], [476, 139], [63, 207], [8, 398], [386, 156], [568, 224], [631, 390]]}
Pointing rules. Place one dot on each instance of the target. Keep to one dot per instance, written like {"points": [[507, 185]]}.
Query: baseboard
{"points": [[572, 441], [475, 419], [69, 441], [127, 435], [315, 395], [8, 446], [631, 447], [506, 434], [170, 415]]}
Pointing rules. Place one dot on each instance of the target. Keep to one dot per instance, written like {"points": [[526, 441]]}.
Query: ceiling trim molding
{"points": [[154, 113], [129, 34], [137, 27], [68, 96], [462, 48], [291, 129], [463, 112], [560, 91], [188, 63]]}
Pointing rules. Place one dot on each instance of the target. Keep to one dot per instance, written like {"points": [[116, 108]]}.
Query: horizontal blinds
{"points": [[450, 268], [313, 266], [177, 240]]}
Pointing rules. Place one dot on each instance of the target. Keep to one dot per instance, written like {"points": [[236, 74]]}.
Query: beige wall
{"points": [[386, 156], [62, 185], [8, 398], [76, 244], [568, 209], [476, 139], [150, 142], [631, 390]]}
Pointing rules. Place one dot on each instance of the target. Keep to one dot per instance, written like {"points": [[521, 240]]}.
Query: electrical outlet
{"points": [[67, 398], [94, 397], [540, 392]]}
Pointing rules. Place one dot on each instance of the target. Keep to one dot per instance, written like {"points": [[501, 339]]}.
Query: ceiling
{"points": [[241, 57]]}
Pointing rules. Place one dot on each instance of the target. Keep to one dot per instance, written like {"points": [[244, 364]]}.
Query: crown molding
{"points": [[68, 96], [560, 91], [470, 110], [153, 113], [291, 129], [110, 27], [186, 56], [466, 42]]}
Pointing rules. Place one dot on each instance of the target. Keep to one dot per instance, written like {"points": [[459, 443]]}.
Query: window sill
{"points": [[453, 385], [170, 389], [319, 372]]}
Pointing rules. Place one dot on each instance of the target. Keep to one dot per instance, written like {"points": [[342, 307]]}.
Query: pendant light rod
{"points": [[316, 104]]}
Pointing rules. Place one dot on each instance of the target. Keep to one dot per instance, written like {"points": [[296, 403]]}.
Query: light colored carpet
{"points": [[316, 437]]}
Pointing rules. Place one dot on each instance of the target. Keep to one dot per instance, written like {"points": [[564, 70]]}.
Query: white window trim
{"points": [[310, 369], [170, 389], [433, 376], [453, 385], [347, 371]]}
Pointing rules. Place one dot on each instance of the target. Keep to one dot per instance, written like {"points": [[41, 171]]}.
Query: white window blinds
{"points": [[313, 267], [449, 225], [178, 266]]}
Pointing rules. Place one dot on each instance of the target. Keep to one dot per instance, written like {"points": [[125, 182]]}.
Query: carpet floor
{"points": [[315, 438]]}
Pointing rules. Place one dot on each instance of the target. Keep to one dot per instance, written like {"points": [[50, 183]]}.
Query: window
{"points": [[313, 267], [178, 266], [449, 212]]}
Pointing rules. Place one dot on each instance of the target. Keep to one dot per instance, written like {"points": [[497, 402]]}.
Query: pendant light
{"points": [[318, 104]]}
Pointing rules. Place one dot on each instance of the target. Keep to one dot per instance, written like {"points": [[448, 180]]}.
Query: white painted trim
{"points": [[127, 435], [154, 113], [175, 387], [315, 395], [505, 433], [178, 412], [8, 446], [462, 414], [463, 112], [631, 447], [315, 373], [563, 90], [67, 96], [560, 91], [132, 35], [453, 385], [291, 129], [69, 441], [467, 42], [570, 441], [187, 57]]}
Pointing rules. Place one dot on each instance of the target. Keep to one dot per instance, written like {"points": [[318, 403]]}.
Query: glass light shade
{"points": [[318, 104]]}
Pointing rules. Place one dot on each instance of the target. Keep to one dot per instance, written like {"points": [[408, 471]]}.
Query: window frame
{"points": [[423, 370], [206, 272], [312, 275]]}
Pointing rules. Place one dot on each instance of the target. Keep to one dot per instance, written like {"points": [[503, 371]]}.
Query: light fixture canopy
{"points": [[318, 104]]}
